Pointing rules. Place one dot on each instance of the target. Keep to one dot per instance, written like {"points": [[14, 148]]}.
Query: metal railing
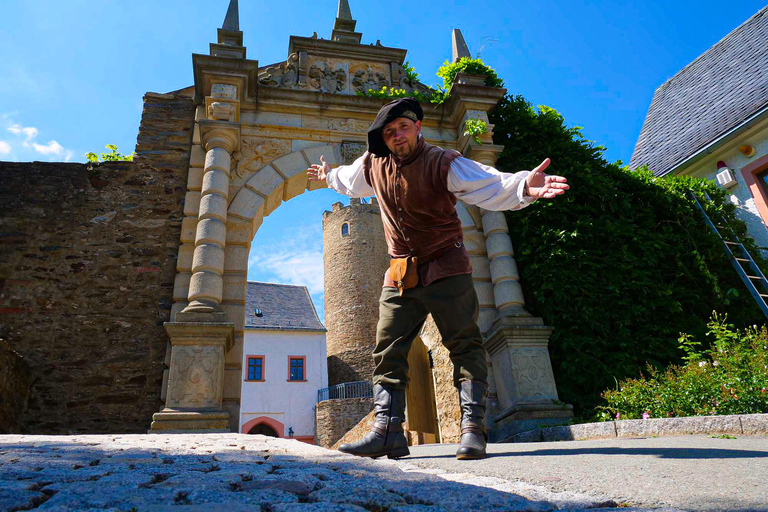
{"points": [[361, 389]]}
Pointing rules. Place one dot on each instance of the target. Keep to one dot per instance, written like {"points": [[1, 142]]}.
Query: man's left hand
{"points": [[541, 185]]}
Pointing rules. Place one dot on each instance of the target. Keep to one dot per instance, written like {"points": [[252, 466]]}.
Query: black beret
{"points": [[402, 107]]}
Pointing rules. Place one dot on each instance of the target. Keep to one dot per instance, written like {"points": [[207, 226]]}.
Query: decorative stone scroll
{"points": [[284, 75], [324, 78], [256, 152], [351, 151]]}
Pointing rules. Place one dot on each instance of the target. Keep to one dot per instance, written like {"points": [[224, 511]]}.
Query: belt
{"points": [[436, 254]]}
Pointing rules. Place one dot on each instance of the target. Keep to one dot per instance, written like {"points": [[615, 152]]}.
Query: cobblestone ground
{"points": [[236, 472]]}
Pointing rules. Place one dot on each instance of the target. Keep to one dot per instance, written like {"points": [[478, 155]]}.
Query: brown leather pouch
{"points": [[403, 272]]}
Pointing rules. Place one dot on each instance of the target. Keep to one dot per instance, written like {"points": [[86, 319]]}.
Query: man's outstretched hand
{"points": [[318, 172], [541, 185]]}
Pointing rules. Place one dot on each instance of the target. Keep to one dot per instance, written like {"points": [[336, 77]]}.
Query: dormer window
{"points": [[257, 312], [345, 229]]}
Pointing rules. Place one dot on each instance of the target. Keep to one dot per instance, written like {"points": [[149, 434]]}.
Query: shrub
{"points": [[113, 156], [731, 377], [449, 70], [619, 265]]}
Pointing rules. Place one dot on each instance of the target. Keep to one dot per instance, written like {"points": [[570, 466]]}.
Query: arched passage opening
{"points": [[264, 425]]}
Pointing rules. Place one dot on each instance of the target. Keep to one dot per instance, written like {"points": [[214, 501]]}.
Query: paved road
{"points": [[686, 472]]}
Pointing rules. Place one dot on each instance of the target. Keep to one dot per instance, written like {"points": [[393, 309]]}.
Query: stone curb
{"points": [[741, 424]]}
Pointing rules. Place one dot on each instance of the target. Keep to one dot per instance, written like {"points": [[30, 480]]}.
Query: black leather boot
{"points": [[386, 436], [473, 433]]}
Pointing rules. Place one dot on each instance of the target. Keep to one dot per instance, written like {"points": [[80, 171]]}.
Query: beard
{"points": [[404, 150]]}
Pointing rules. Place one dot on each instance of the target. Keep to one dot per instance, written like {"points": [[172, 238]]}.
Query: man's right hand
{"points": [[318, 172]]}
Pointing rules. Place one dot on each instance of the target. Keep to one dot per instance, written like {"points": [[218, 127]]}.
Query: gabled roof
{"points": [[283, 306], [713, 95]]}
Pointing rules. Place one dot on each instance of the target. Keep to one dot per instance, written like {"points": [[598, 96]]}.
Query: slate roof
{"points": [[715, 93], [283, 306]]}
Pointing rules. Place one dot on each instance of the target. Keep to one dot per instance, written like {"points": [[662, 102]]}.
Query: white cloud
{"points": [[5, 148], [52, 148], [15, 128], [30, 132], [290, 267]]}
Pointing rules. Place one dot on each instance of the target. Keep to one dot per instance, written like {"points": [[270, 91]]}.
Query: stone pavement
{"points": [[701, 473], [237, 472]]}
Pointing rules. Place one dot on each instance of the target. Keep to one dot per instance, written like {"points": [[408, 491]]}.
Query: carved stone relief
{"points": [[221, 111], [369, 78], [197, 377], [348, 125], [283, 75], [325, 77], [533, 371], [256, 152], [351, 151]]}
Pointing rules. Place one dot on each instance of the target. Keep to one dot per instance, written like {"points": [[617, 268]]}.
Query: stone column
{"points": [[517, 342], [201, 334]]}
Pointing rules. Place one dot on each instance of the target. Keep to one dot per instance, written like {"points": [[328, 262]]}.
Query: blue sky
{"points": [[74, 72]]}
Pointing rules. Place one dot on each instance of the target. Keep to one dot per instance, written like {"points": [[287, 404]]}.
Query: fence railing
{"points": [[361, 389]]}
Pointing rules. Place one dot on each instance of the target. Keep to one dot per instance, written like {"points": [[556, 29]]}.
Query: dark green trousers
{"points": [[454, 307]]}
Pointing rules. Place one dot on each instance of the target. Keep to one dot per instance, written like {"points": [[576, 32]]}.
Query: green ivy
{"points": [[475, 128], [436, 96], [449, 70], [620, 264], [411, 75]]}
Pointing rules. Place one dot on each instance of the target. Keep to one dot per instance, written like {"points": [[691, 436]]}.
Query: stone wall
{"points": [[15, 379], [334, 418], [354, 266], [87, 267]]}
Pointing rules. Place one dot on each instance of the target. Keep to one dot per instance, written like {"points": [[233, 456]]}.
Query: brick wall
{"points": [[334, 418], [15, 379], [87, 264]]}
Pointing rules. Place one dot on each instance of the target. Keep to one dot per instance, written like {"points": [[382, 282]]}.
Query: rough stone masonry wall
{"points": [[334, 418], [87, 264], [15, 379], [354, 266]]}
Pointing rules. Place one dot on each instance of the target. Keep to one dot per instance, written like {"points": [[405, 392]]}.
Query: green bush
{"points": [[113, 156], [449, 70], [619, 265], [731, 377], [436, 96]]}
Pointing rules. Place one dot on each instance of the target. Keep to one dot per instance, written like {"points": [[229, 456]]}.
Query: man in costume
{"points": [[417, 186]]}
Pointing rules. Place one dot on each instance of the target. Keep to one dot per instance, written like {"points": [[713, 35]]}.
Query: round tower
{"points": [[355, 259]]}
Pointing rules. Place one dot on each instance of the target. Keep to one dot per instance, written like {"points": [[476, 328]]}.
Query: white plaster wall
{"points": [[729, 153], [290, 403]]}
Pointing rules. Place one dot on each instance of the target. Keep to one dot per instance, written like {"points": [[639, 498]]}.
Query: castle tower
{"points": [[355, 258]]}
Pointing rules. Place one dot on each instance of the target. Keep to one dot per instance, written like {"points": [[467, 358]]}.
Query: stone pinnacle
{"points": [[344, 12], [232, 20], [459, 46]]}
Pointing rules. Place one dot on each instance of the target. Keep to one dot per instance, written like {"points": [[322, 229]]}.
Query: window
{"points": [[345, 229], [255, 369], [296, 368]]}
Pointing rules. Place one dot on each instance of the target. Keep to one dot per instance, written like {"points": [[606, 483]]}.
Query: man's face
{"points": [[401, 136]]}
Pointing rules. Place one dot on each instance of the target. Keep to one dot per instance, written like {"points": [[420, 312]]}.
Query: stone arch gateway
{"points": [[257, 129]]}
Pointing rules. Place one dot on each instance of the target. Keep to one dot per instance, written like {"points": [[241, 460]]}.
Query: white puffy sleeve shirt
{"points": [[470, 181]]}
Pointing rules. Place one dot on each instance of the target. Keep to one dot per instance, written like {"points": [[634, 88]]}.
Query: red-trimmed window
{"points": [[254, 369], [297, 368]]}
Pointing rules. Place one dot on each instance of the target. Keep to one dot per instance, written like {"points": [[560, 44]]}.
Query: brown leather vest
{"points": [[418, 211]]}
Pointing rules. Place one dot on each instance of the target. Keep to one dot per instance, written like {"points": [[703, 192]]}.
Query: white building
{"points": [[284, 362], [710, 120]]}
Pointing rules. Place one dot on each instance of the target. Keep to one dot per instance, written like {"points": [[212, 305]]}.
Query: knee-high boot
{"points": [[473, 433], [386, 436]]}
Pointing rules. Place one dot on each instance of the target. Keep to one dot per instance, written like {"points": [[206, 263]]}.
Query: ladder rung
{"points": [[763, 295], [754, 277], [731, 243], [742, 259]]}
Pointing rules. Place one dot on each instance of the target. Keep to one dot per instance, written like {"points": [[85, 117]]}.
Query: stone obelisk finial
{"points": [[460, 48], [230, 40], [344, 27], [232, 20]]}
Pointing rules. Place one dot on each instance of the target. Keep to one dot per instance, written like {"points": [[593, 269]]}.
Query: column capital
{"points": [[220, 134]]}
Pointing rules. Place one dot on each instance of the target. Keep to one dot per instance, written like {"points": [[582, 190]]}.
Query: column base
{"points": [[525, 416], [189, 422]]}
